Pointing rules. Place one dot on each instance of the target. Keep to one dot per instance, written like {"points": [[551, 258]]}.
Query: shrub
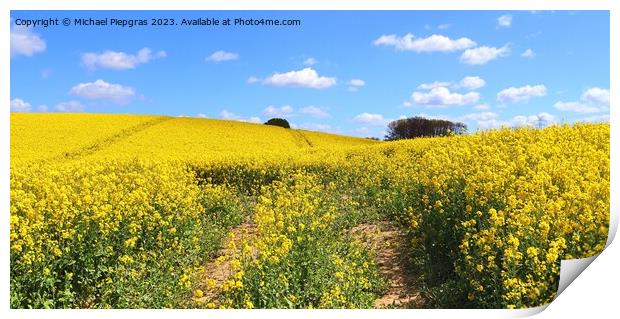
{"points": [[278, 122]]}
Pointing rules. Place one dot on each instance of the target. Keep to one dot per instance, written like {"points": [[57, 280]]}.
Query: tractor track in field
{"points": [[108, 140], [301, 139], [389, 245], [221, 271]]}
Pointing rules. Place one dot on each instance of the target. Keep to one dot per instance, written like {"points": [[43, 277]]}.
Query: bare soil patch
{"points": [[390, 245]]}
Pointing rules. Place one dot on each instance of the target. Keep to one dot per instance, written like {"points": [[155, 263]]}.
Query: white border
{"points": [[594, 292]]}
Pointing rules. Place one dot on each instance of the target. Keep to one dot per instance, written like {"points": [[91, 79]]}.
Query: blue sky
{"points": [[345, 72]]}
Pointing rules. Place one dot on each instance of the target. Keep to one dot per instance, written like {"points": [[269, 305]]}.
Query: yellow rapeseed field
{"points": [[126, 211]]}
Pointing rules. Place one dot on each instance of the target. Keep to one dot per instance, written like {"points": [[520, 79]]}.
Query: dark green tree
{"points": [[422, 127], [278, 122]]}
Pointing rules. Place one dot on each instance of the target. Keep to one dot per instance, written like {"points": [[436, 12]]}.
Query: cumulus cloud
{"points": [[482, 106], [306, 77], [370, 119], [490, 120], [432, 85], [314, 111], [541, 120], [593, 100], [102, 90], [252, 80], [519, 94], [310, 61], [469, 83], [528, 54], [25, 42], [227, 115], [472, 82], [483, 120], [19, 105], [120, 60], [577, 107], [318, 127], [221, 56], [504, 21], [483, 55], [70, 106], [596, 95], [355, 84], [273, 111], [442, 97], [433, 43]]}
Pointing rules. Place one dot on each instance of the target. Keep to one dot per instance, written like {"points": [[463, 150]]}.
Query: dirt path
{"points": [[219, 271], [389, 243]]}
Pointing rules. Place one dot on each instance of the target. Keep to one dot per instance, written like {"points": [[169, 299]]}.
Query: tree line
{"points": [[422, 127]]}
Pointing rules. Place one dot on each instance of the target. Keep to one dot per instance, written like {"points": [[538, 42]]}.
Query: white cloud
{"points": [[25, 42], [596, 95], [120, 60], [504, 21], [432, 85], [472, 82], [355, 84], [468, 82], [221, 56], [307, 77], [314, 111], [442, 97], [577, 107], [489, 120], [227, 115], [482, 107], [370, 119], [444, 26], [310, 61], [19, 105], [541, 120], [70, 106], [252, 80], [518, 94], [596, 118], [528, 54], [273, 111], [317, 127], [483, 116], [102, 90], [42, 108], [433, 43], [483, 120], [593, 100], [484, 54]]}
